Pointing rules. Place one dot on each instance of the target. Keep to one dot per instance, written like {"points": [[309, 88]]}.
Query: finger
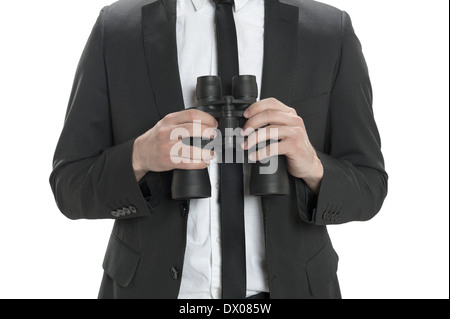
{"points": [[284, 147], [267, 104], [272, 132], [191, 116], [271, 117], [181, 152], [187, 130], [264, 153], [192, 166]]}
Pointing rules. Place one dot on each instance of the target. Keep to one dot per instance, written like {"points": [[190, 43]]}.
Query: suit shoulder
{"points": [[314, 7], [129, 5], [317, 13], [320, 20], [125, 13]]}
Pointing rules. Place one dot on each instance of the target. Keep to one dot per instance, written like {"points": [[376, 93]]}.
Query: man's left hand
{"points": [[270, 119]]}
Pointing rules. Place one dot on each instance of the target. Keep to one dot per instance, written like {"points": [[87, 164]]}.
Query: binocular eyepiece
{"points": [[228, 111], [209, 89]]}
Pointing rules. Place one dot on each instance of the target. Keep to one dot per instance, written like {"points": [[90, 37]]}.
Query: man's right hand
{"points": [[154, 150]]}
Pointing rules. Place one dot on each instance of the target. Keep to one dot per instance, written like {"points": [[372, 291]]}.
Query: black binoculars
{"points": [[228, 111]]}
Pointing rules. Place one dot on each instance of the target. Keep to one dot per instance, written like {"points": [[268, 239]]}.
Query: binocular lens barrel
{"points": [[209, 88]]}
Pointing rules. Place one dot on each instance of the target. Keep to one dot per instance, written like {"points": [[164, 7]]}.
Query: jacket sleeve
{"points": [[354, 185], [92, 177]]}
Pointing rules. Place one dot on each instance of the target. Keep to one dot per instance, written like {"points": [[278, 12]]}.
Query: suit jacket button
{"points": [[121, 212], [133, 209], [126, 210], [174, 273], [184, 208], [115, 214]]}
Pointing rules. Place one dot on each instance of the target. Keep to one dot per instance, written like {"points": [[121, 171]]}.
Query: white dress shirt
{"points": [[197, 56]]}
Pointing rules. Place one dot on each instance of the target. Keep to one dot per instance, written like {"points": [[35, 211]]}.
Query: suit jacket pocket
{"points": [[322, 270], [120, 261]]}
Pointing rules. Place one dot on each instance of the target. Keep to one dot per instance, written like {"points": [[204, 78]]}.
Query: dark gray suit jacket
{"points": [[128, 79]]}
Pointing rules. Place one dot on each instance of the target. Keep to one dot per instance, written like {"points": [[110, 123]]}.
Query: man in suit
{"points": [[135, 77]]}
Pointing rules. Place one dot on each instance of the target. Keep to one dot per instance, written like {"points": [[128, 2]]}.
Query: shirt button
{"points": [[174, 273], [217, 185], [218, 240]]}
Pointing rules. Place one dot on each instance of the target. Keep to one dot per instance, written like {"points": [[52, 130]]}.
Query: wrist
{"points": [[315, 176], [138, 168]]}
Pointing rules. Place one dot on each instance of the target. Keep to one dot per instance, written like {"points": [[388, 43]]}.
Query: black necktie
{"points": [[231, 174]]}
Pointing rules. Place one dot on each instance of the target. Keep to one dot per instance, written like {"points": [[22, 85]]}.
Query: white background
{"points": [[402, 253]]}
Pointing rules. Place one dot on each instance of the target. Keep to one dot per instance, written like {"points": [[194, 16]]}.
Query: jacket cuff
{"points": [[125, 197], [307, 201], [324, 208], [330, 201]]}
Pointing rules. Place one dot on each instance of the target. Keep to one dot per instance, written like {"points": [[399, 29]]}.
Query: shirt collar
{"points": [[238, 4]]}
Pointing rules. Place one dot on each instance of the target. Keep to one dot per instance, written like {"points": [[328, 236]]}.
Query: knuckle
{"points": [[168, 118], [300, 121], [292, 110], [191, 115], [272, 100], [158, 125]]}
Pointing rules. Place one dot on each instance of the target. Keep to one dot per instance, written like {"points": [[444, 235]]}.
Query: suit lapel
{"points": [[280, 50], [160, 45], [159, 33]]}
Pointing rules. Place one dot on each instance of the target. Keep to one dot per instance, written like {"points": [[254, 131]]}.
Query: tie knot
{"points": [[218, 2]]}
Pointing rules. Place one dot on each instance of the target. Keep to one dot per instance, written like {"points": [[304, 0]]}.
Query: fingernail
{"points": [[243, 145], [246, 113], [252, 156]]}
